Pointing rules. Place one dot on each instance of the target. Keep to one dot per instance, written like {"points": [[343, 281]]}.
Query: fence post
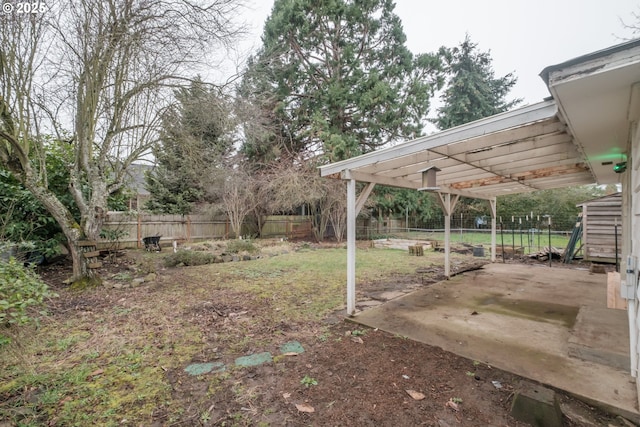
{"points": [[189, 228], [139, 231]]}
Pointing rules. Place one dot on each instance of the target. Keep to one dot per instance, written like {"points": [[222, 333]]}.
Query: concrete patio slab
{"points": [[524, 319]]}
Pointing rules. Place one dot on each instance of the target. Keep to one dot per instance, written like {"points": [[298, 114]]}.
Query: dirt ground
{"points": [[345, 376]]}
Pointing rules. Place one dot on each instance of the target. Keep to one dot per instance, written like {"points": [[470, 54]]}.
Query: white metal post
{"points": [[492, 206], [351, 247], [447, 234]]}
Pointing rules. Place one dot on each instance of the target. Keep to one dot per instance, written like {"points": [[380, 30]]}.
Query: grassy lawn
{"points": [[104, 356], [532, 242]]}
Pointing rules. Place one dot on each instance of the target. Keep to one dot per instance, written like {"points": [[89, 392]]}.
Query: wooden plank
{"points": [[94, 265], [84, 243], [614, 300], [91, 254]]}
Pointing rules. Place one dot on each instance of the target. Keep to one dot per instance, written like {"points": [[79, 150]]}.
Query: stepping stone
{"points": [[537, 406], [254, 359], [291, 347], [204, 368]]}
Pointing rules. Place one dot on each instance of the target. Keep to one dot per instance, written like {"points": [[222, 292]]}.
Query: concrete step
{"points": [[601, 335]]}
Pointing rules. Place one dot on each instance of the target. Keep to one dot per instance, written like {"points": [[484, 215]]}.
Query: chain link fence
{"points": [[531, 233]]}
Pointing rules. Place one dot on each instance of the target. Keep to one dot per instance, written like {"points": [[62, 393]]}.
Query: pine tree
{"points": [[336, 78], [472, 92], [194, 145]]}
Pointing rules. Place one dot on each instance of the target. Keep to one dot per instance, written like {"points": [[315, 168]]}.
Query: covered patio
{"points": [[518, 318], [585, 133]]}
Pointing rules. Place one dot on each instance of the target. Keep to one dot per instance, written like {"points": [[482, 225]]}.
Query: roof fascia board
{"points": [[518, 117], [613, 54]]}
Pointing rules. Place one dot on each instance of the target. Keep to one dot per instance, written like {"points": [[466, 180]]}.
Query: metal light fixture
{"points": [[620, 167]]}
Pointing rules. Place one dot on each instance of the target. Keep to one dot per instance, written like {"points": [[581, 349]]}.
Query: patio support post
{"points": [[492, 206], [447, 241], [351, 247], [448, 205]]}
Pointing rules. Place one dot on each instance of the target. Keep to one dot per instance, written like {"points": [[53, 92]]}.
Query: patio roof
{"points": [[522, 150], [573, 139]]}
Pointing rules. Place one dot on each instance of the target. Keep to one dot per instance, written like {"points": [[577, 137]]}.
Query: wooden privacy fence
{"points": [[132, 228]]}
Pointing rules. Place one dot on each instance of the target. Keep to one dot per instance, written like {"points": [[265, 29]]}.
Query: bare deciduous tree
{"points": [[238, 198], [290, 183], [336, 204], [101, 71]]}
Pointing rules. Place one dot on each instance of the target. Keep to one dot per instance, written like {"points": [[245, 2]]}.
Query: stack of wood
{"points": [[416, 250], [543, 255]]}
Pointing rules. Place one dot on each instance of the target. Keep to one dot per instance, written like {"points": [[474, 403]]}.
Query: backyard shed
{"points": [[601, 221]]}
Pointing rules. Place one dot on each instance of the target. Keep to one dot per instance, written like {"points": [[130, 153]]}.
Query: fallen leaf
{"points": [[357, 339], [96, 373], [65, 400], [406, 377], [303, 407], [416, 395], [453, 405], [238, 314], [286, 395]]}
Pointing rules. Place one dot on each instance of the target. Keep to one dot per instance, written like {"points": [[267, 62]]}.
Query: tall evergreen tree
{"points": [[194, 144], [472, 92], [338, 79]]}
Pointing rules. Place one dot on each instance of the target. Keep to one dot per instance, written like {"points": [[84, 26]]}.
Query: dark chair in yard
{"points": [[152, 243]]}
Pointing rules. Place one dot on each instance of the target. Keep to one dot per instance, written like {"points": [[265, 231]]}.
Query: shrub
{"points": [[189, 258], [20, 288], [237, 246]]}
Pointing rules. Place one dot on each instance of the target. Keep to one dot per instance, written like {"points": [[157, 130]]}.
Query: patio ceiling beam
{"points": [[525, 135], [551, 156], [520, 139], [519, 178], [377, 179], [484, 193], [500, 122], [489, 170], [560, 142], [512, 169], [406, 183]]}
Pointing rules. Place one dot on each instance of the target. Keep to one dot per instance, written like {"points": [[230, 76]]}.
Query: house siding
{"points": [[631, 222]]}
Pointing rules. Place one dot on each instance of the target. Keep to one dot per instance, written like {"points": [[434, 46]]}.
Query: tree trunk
{"points": [[70, 228]]}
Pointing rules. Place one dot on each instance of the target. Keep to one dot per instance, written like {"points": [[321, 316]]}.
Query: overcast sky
{"points": [[523, 36]]}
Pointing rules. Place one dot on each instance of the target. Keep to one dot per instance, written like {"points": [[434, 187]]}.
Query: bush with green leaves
{"points": [[20, 289], [187, 258]]}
